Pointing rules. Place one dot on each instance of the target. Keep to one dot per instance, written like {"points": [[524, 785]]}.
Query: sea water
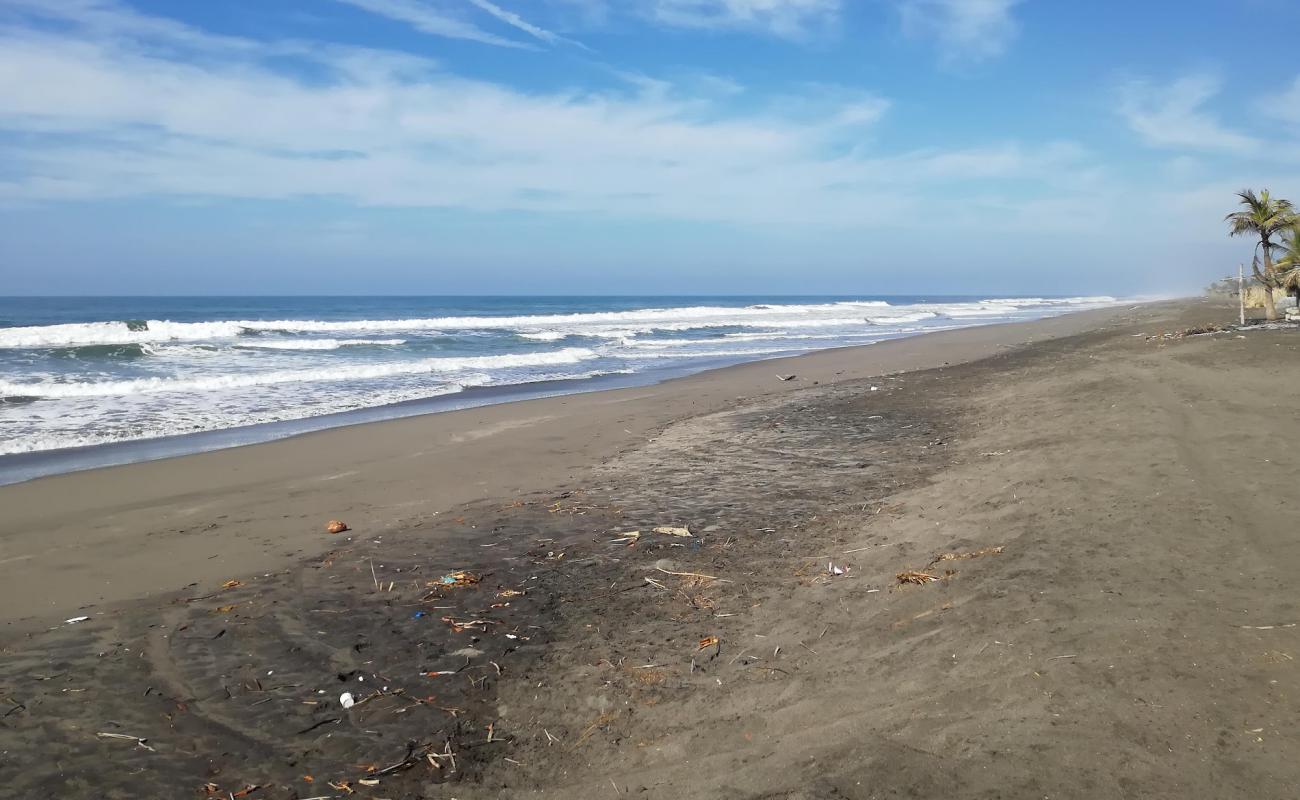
{"points": [[84, 372]]}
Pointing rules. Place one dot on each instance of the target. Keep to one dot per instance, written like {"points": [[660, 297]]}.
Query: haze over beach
{"points": [[772, 399]]}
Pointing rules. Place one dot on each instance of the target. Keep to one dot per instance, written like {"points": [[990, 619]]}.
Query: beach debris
{"points": [[629, 538], [347, 700], [786, 377], [139, 740], [671, 531], [987, 551], [336, 526], [455, 580], [1195, 330], [458, 626], [511, 593], [225, 609], [75, 620], [916, 576], [831, 569], [709, 641], [875, 388], [692, 575], [232, 584]]}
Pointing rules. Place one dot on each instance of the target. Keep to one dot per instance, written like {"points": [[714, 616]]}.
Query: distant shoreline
{"points": [[89, 383], [21, 467]]}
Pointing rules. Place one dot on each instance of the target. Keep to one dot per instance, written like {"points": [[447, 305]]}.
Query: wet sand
{"points": [[1107, 518]]}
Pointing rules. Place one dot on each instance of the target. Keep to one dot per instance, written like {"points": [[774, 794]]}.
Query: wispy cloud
{"points": [[437, 22], [1175, 116], [787, 18], [966, 31], [514, 20], [1284, 106]]}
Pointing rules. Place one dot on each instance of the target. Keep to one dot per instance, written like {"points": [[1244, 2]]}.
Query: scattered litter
{"points": [[630, 538], [670, 531], [346, 700], [336, 526], [831, 569], [709, 641], [915, 576], [1196, 330], [987, 551], [140, 741], [232, 584], [457, 579], [458, 626], [691, 575], [875, 388], [1267, 627], [75, 620], [786, 377], [418, 614], [511, 593], [225, 609]]}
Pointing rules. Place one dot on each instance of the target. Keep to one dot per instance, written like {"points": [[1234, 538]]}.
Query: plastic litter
{"points": [[670, 531]]}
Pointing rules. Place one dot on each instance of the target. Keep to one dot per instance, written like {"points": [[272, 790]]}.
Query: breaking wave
{"points": [[541, 327], [51, 389]]}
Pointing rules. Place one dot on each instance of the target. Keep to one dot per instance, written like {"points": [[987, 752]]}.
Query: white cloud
{"points": [[787, 18], [965, 30], [1174, 116], [146, 111], [435, 21]]}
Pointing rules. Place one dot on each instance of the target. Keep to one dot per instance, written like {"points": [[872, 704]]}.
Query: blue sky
{"points": [[636, 146]]}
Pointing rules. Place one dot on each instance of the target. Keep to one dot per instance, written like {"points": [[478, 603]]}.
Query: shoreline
{"points": [[77, 541], [27, 466]]}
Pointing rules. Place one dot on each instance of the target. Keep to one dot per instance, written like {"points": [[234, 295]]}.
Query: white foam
{"points": [[314, 344], [84, 333], [900, 319], [216, 383], [541, 327]]}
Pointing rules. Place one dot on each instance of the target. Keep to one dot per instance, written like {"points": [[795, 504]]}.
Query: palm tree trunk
{"points": [[1270, 308]]}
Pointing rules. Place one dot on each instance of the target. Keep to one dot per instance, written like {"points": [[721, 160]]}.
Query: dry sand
{"points": [[1125, 627]]}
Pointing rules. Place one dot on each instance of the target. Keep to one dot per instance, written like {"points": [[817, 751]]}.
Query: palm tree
{"points": [[1264, 216], [1288, 266]]}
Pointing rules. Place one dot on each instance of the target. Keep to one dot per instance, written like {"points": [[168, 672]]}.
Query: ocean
{"points": [[79, 376]]}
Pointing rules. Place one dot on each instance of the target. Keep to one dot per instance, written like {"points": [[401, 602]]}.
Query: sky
{"points": [[637, 146]]}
